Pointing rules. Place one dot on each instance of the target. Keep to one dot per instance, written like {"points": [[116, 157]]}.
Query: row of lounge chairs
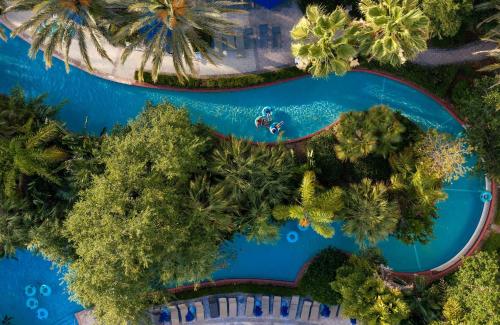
{"points": [[276, 307], [247, 39]]}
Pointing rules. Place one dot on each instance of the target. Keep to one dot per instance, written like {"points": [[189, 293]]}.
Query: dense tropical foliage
{"points": [[446, 16]]}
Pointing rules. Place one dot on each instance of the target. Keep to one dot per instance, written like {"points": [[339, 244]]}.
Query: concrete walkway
{"points": [[251, 55], [465, 53]]}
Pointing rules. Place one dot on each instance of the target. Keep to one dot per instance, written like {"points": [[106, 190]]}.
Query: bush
{"points": [[492, 244], [322, 271], [238, 81]]}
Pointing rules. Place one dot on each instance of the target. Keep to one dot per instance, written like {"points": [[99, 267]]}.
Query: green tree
{"points": [[361, 133], [473, 297], [322, 42], [147, 220], [442, 155], [255, 179], [417, 191], [56, 24], [493, 34], [425, 301], [393, 31], [446, 16], [316, 210], [368, 215], [177, 26], [365, 296]]}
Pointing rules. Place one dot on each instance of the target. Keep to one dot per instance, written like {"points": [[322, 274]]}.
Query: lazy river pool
{"points": [[305, 105]]}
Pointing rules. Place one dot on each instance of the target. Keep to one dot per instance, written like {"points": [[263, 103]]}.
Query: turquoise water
{"points": [[26, 269], [305, 105]]}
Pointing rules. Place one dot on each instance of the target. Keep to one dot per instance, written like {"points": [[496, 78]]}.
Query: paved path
{"points": [[241, 61], [466, 53]]}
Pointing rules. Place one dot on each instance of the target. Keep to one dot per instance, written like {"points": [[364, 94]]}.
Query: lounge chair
{"points": [[265, 306], [223, 307], [200, 311], [174, 315], [276, 37], [294, 304], [240, 45], [248, 38], [306, 309], [233, 307], [334, 311], [276, 306], [213, 306], [314, 312], [263, 36], [183, 311], [249, 307]]}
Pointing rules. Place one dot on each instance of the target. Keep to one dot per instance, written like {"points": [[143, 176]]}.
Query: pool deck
{"points": [[232, 61]]}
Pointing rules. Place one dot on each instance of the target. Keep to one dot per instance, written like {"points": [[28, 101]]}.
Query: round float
{"points": [[45, 290], [292, 237], [42, 313], [32, 303], [30, 290], [486, 196]]}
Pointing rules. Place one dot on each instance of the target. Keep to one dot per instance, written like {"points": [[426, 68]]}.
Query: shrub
{"points": [[446, 15], [320, 273]]}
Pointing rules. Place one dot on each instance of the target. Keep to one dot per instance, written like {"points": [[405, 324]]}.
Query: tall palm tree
{"points": [[30, 155], [313, 209], [493, 35], [177, 26], [322, 41], [369, 216], [393, 31], [55, 24]]}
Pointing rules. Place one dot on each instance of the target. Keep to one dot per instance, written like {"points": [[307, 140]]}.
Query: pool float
{"points": [[32, 303], [30, 290], [292, 237], [45, 290], [42, 313], [267, 112], [486, 196], [276, 127]]}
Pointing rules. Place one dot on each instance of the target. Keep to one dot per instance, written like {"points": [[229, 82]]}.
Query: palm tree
{"points": [[3, 36], [493, 35], [313, 209], [30, 155], [393, 31], [322, 41], [361, 133], [369, 215], [55, 24], [177, 26]]}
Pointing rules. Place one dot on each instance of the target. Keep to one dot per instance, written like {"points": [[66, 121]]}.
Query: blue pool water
{"points": [[306, 105]]}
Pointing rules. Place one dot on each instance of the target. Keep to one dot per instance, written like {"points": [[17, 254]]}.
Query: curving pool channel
{"points": [[305, 105]]}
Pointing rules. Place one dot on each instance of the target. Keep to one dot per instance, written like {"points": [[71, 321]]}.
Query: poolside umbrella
{"points": [[268, 3]]}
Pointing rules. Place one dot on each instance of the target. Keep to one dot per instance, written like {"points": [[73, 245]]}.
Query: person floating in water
{"points": [[276, 127], [265, 119]]}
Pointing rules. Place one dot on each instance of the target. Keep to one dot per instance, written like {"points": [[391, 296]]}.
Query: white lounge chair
{"points": [[233, 307], [174, 315], [249, 306], [184, 310], [200, 310], [306, 309], [294, 304], [333, 311], [314, 312], [265, 306], [276, 306], [223, 307]]}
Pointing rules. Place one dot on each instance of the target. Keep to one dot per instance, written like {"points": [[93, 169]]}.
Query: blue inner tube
{"points": [[292, 237], [42, 313], [45, 290], [32, 303], [486, 196], [30, 290]]}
